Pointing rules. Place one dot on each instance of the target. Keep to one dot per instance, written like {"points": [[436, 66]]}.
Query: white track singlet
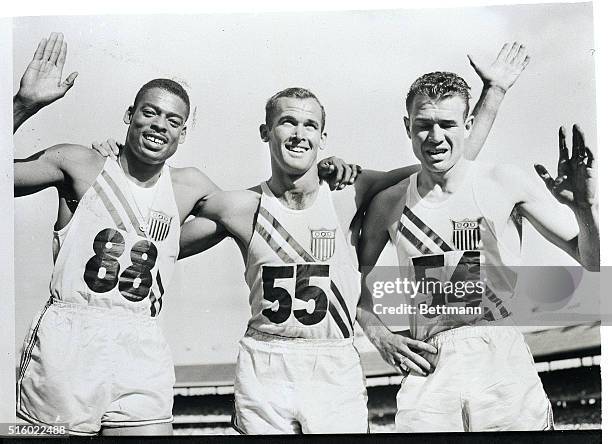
{"points": [[301, 272], [110, 254], [442, 246]]}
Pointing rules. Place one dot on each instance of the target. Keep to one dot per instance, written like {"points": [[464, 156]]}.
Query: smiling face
{"points": [[438, 130], [294, 134], [156, 126]]}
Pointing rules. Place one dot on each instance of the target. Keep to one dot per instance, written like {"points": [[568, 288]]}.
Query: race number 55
{"points": [[299, 276]]}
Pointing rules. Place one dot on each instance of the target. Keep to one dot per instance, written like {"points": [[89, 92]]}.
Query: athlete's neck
{"points": [[295, 192], [144, 175], [438, 186]]}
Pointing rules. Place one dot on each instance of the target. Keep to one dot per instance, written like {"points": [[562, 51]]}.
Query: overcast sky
{"points": [[360, 64]]}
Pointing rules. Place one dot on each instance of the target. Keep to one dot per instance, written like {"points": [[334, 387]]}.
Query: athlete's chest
{"points": [[282, 234], [426, 226]]}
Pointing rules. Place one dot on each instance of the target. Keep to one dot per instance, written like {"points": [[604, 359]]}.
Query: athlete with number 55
{"points": [[95, 357]]}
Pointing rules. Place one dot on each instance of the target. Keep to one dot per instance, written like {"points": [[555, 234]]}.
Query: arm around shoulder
{"points": [[371, 182], [191, 186]]}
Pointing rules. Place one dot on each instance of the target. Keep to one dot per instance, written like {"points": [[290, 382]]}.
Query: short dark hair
{"points": [[439, 85], [167, 85], [294, 93]]}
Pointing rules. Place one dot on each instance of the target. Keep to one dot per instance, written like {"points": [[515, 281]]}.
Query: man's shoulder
{"points": [[499, 172], [504, 180], [76, 160], [249, 194], [72, 152], [192, 184], [189, 176]]}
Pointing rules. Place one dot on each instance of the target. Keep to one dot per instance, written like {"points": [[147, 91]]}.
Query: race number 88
{"points": [[281, 298], [102, 270]]}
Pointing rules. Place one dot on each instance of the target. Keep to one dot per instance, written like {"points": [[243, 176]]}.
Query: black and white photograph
{"points": [[268, 222]]}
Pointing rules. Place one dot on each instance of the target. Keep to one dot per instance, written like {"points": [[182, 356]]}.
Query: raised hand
{"points": [[576, 182], [505, 69], [41, 83], [337, 173]]}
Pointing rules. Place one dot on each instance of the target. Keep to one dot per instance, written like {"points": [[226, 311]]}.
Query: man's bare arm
{"points": [[497, 79], [575, 187], [200, 234], [50, 168], [37, 172], [370, 182], [395, 349], [41, 83], [217, 216]]}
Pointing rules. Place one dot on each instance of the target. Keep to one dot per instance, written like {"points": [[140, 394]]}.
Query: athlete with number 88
{"points": [[111, 262]]}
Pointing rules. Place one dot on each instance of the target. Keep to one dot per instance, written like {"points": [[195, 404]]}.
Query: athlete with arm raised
{"points": [[116, 241], [497, 77], [453, 216]]}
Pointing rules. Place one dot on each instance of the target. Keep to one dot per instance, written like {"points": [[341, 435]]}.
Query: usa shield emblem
{"points": [[323, 243], [466, 234], [159, 225]]}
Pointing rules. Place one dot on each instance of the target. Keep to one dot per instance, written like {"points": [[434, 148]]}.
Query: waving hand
{"points": [[505, 69], [42, 83], [576, 182]]}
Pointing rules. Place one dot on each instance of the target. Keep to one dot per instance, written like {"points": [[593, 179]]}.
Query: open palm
{"points": [[576, 182], [41, 83], [505, 69]]}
